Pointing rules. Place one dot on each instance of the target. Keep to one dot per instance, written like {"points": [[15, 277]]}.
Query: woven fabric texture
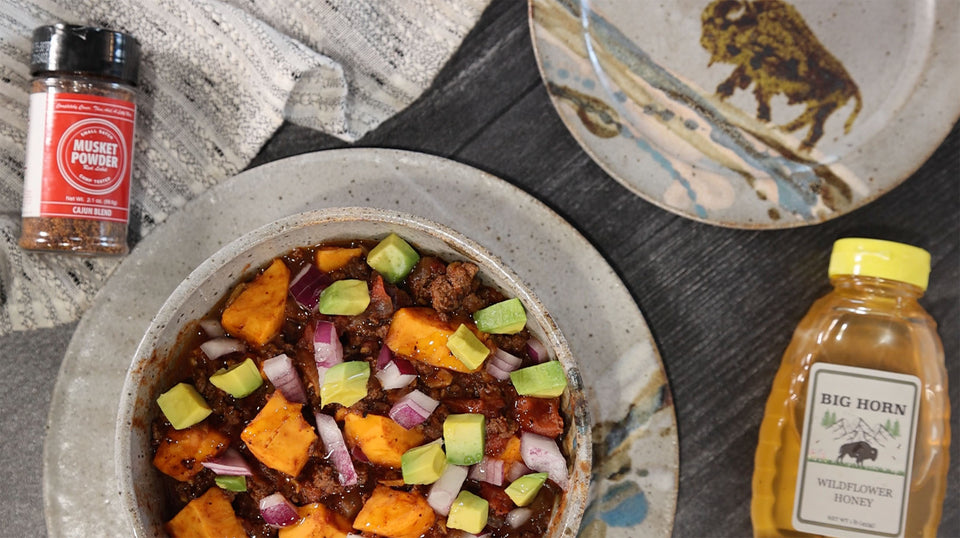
{"points": [[217, 78]]}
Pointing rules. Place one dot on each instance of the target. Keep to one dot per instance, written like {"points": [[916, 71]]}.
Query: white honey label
{"points": [[859, 427]]}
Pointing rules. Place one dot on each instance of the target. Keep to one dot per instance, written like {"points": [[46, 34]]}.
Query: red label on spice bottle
{"points": [[79, 157]]}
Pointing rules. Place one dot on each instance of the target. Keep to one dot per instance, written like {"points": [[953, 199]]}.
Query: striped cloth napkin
{"points": [[217, 78]]}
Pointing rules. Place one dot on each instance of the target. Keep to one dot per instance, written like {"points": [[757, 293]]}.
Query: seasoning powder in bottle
{"points": [[856, 434], [76, 193]]}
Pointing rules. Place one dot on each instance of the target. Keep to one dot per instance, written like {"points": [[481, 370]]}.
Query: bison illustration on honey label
{"points": [[859, 450], [775, 50]]}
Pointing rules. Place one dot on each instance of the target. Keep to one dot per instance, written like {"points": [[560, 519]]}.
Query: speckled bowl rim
{"points": [[565, 519]]}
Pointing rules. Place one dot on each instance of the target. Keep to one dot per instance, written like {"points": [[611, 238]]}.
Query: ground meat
{"points": [[472, 303], [499, 431], [259, 486], [487, 296], [249, 511], [359, 330], [356, 268], [376, 401], [500, 503], [447, 291], [490, 406], [294, 321], [438, 378], [318, 481], [349, 503], [183, 492], [432, 428], [515, 344], [423, 273]]}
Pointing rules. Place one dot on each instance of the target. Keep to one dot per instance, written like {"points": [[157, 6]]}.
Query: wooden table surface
{"points": [[721, 303]]}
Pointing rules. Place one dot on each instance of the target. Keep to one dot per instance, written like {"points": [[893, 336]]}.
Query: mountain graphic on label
{"points": [[850, 441]]}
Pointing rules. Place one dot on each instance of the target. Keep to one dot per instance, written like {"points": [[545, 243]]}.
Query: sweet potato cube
{"points": [[182, 451], [279, 436], [395, 514], [207, 516], [333, 258], [382, 440], [257, 313], [316, 521], [511, 451], [419, 333]]}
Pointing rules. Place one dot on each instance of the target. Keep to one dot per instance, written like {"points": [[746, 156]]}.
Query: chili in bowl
{"points": [[353, 372]]}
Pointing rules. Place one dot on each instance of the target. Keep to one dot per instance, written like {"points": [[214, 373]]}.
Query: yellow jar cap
{"points": [[880, 259]]}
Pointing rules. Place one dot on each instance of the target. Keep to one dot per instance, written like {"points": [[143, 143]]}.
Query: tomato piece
{"points": [[539, 415]]}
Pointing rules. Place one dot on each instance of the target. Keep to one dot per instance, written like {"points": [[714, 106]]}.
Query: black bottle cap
{"points": [[85, 49]]}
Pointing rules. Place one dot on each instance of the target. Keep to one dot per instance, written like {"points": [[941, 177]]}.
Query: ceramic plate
{"points": [[753, 114], [635, 437]]}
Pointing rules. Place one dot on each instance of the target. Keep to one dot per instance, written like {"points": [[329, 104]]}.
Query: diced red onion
{"points": [[497, 372], [489, 470], [537, 351], [336, 449], [221, 346], [384, 357], [413, 409], [465, 534], [505, 360], [421, 399], [542, 454], [230, 463], [518, 516], [281, 372], [393, 377], [405, 367], [357, 453], [446, 488], [327, 349], [501, 364], [277, 511], [212, 327], [307, 285], [517, 470]]}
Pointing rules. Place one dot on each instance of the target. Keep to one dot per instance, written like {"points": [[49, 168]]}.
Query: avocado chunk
{"points": [[468, 513], [464, 436], [231, 483], [423, 464], [523, 490], [505, 317], [345, 383], [183, 406], [393, 258], [347, 297], [239, 381], [544, 380], [466, 347]]}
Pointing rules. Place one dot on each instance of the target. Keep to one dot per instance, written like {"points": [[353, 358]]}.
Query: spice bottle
{"points": [[76, 192], [855, 438]]}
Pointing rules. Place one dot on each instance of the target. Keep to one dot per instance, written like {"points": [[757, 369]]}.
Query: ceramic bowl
{"points": [[151, 370]]}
